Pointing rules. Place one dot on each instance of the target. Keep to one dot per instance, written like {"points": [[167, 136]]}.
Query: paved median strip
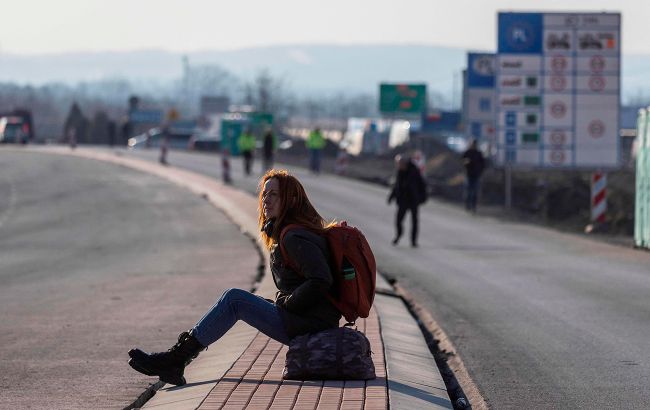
{"points": [[229, 372]]}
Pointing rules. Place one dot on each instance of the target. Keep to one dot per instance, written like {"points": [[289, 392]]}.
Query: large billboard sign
{"points": [[479, 109], [402, 98], [558, 89]]}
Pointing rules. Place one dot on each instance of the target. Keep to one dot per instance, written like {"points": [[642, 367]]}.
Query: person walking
{"points": [[164, 149], [315, 144], [474, 164], [301, 305], [246, 144], [270, 145], [225, 166], [409, 191]]}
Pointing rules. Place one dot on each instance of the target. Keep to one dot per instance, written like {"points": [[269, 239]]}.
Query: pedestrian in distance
{"points": [[246, 144], [225, 166], [72, 138], [301, 305], [474, 164], [268, 149], [164, 149], [409, 191], [315, 144]]}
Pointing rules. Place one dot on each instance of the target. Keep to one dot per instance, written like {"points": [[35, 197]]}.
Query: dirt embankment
{"points": [[559, 198]]}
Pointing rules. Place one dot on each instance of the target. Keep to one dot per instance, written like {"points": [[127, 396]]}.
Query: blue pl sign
{"points": [[520, 33]]}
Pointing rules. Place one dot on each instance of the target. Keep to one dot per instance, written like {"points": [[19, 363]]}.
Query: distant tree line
{"points": [[97, 109]]}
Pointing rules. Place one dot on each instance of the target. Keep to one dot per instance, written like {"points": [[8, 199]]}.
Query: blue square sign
{"points": [[520, 33]]}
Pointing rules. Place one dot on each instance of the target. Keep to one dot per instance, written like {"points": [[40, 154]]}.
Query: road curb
{"points": [[145, 395], [459, 383]]}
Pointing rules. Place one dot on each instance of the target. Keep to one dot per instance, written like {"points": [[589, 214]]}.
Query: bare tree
{"points": [[208, 79], [268, 93]]}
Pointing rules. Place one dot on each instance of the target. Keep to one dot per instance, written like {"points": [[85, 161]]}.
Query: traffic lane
{"points": [[95, 259], [529, 309], [542, 319]]}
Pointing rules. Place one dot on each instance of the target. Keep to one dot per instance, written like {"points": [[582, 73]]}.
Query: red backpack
{"points": [[353, 269]]}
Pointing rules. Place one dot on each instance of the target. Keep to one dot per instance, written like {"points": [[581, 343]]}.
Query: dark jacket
{"points": [[409, 189], [269, 145], [474, 163], [301, 295]]}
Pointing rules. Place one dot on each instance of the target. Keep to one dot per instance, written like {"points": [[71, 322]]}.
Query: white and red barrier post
{"points": [[598, 196]]}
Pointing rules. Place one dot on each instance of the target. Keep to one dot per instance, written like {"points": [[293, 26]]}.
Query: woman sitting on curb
{"points": [[301, 305]]}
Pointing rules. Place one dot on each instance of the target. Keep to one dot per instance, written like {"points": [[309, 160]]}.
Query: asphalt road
{"points": [[542, 319], [96, 259]]}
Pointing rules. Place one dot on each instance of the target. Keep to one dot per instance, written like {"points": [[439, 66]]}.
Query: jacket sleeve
{"points": [[310, 262]]}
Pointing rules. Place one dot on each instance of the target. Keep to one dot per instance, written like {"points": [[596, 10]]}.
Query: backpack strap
{"points": [[285, 256]]}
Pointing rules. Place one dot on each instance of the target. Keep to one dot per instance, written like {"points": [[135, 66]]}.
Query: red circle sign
{"points": [[558, 137], [557, 157], [596, 83], [596, 128], [558, 83], [558, 109], [558, 63], [597, 64]]}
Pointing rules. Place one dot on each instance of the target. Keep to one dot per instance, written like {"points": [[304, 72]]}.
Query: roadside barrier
{"points": [[598, 196]]}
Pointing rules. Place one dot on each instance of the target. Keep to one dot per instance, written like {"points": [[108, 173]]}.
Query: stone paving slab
{"points": [[202, 375], [255, 381]]}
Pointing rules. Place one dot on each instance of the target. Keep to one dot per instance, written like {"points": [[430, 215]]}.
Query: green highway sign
{"points": [[402, 98]]}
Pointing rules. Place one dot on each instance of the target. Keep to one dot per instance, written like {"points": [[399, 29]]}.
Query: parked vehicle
{"points": [[14, 129]]}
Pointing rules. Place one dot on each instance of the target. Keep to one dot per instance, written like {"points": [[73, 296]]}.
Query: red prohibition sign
{"points": [[557, 157], [596, 83], [558, 137], [558, 109], [558, 63], [597, 64], [596, 128], [558, 83]]}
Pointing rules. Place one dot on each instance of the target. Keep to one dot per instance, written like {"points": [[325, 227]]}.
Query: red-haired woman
{"points": [[301, 305]]}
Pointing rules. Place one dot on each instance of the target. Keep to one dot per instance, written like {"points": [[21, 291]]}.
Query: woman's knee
{"points": [[234, 294]]}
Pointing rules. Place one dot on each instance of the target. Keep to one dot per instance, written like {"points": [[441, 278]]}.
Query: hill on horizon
{"points": [[306, 69]]}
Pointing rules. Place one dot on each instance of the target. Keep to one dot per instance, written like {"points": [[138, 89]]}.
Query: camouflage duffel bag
{"points": [[333, 354]]}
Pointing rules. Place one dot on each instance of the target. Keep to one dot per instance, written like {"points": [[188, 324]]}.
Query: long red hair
{"points": [[295, 207]]}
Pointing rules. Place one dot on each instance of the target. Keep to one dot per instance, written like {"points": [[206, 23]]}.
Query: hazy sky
{"points": [[52, 26]]}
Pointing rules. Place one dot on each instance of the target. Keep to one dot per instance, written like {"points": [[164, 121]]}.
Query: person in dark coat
{"points": [[268, 149], [474, 163], [409, 191], [301, 305]]}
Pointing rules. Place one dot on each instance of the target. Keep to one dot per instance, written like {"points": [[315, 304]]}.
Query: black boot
{"points": [[169, 365]]}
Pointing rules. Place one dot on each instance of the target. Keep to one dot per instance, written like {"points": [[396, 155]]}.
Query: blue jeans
{"points": [[314, 160], [238, 304]]}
